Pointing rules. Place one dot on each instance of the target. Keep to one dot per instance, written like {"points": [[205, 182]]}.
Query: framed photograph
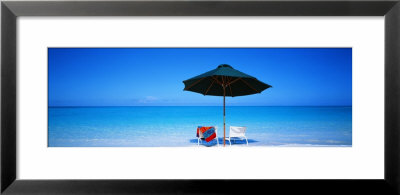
{"points": [[198, 96]]}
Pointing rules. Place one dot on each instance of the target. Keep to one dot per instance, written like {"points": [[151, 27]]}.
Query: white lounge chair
{"points": [[202, 137], [237, 132]]}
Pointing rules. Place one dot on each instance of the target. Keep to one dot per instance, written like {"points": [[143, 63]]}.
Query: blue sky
{"points": [[153, 76]]}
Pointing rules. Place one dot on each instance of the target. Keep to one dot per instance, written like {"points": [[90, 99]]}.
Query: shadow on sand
{"points": [[221, 142]]}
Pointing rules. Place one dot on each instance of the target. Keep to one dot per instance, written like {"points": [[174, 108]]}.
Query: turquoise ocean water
{"points": [[175, 126]]}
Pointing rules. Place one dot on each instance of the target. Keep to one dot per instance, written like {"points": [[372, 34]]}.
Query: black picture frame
{"points": [[11, 10]]}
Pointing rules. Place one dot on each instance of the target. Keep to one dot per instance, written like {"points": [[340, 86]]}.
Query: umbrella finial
{"points": [[224, 65]]}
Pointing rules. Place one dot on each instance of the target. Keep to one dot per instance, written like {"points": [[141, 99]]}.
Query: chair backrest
{"points": [[201, 134], [237, 131], [216, 132]]}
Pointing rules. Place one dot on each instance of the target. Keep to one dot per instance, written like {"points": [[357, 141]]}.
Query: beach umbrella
{"points": [[225, 81]]}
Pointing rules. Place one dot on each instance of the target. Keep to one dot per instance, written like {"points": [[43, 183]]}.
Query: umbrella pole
{"points": [[224, 116]]}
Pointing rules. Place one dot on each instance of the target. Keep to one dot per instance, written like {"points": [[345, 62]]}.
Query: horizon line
{"points": [[211, 106]]}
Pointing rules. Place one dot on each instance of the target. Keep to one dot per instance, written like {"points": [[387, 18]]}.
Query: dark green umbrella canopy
{"points": [[236, 83], [225, 81]]}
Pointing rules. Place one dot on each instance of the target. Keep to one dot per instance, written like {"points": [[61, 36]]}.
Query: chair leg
{"points": [[198, 142], [230, 144], [247, 142]]}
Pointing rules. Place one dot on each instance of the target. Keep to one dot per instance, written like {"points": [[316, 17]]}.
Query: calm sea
{"points": [[176, 126]]}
